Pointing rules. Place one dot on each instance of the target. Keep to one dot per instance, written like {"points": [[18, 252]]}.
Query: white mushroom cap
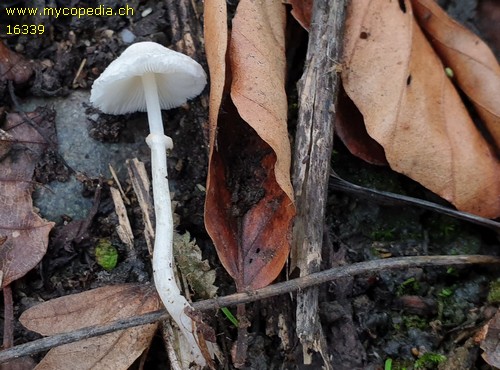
{"points": [[119, 89]]}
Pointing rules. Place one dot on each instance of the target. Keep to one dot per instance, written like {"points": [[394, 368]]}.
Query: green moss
{"points": [[409, 286], [429, 360], [451, 311], [400, 364], [382, 235], [453, 235], [394, 226], [442, 228], [106, 254], [466, 244], [415, 321], [494, 293], [380, 180]]}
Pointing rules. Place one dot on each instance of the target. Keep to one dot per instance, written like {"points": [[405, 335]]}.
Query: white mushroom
{"points": [[149, 77]]}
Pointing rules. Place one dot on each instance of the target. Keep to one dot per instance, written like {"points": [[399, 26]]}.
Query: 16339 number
{"points": [[25, 29]]}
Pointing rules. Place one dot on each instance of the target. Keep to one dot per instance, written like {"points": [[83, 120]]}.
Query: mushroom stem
{"points": [[163, 261], [152, 103]]}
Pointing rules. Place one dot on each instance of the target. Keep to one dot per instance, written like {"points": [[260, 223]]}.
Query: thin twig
{"points": [[45, 344]]}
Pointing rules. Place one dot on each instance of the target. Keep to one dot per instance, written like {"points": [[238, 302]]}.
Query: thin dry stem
{"points": [[247, 297]]}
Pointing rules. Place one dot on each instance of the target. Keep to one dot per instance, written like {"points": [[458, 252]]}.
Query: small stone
{"points": [[127, 36], [146, 12], [108, 33]]}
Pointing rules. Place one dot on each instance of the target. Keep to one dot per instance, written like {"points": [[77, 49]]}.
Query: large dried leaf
{"points": [[25, 233], [117, 350], [349, 127], [249, 204], [475, 67], [412, 109]]}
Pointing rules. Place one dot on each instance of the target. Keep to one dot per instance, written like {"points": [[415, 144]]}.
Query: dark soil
{"points": [[398, 315]]}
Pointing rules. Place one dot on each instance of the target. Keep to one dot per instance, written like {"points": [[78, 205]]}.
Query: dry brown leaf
{"points": [[350, 128], [258, 68], [117, 350], [23, 363], [13, 66], [490, 344], [249, 204], [302, 11], [216, 41], [6, 141], [25, 233], [488, 11], [412, 109], [475, 67]]}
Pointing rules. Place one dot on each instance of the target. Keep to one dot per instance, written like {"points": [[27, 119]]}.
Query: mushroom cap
{"points": [[119, 89]]}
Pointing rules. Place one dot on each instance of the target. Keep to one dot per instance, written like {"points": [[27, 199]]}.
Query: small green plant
{"points": [[230, 316], [388, 364], [429, 360], [445, 293], [397, 364], [447, 308]]}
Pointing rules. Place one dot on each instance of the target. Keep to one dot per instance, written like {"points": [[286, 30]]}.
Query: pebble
{"points": [[146, 12], [127, 36]]}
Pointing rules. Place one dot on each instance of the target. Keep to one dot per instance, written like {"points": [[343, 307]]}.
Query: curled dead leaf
{"points": [[351, 129], [474, 65], [302, 11], [249, 204], [412, 109]]}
